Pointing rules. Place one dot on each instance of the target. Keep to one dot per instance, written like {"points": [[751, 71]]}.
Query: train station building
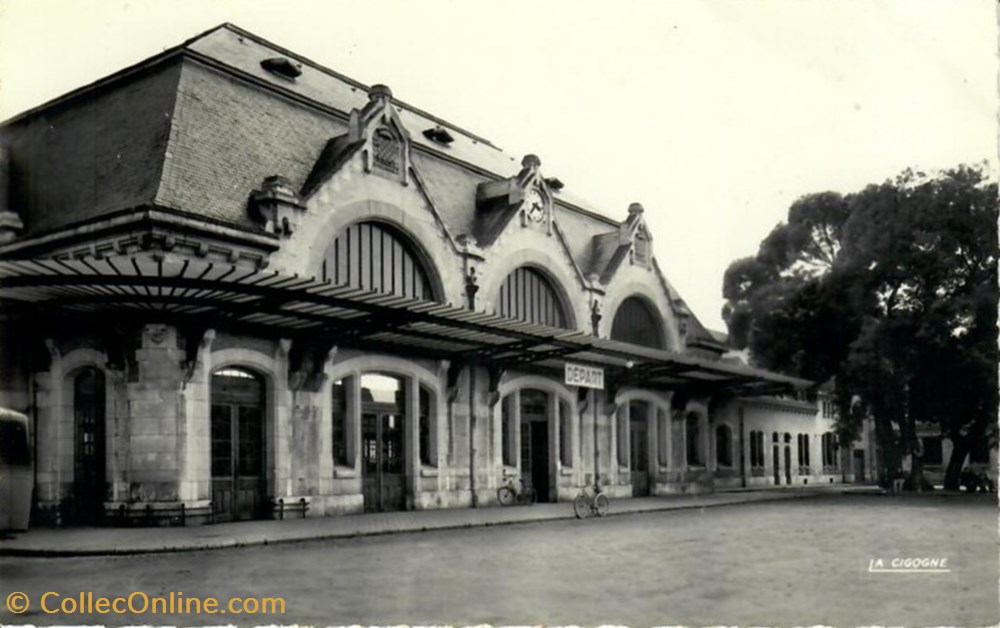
{"points": [[235, 284]]}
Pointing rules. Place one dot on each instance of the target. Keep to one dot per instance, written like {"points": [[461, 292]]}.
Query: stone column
{"points": [[51, 456], [156, 412]]}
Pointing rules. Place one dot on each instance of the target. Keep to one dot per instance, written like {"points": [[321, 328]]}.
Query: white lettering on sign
{"points": [[584, 376]]}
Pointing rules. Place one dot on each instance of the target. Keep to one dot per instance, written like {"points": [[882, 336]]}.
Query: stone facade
{"points": [[299, 162]]}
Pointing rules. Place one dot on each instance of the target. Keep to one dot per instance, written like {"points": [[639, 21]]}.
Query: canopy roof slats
{"points": [[269, 301]]}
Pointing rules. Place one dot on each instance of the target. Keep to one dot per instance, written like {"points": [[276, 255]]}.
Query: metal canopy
{"points": [[225, 295]]}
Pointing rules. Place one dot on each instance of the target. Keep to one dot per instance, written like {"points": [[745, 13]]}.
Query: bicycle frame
{"points": [[591, 501]]}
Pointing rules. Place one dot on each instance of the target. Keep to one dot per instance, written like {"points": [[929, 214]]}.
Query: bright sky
{"points": [[714, 114]]}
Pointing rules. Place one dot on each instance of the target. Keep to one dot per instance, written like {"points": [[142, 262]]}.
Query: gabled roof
{"points": [[335, 154], [161, 145]]}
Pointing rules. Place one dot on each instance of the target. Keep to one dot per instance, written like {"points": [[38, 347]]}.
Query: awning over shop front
{"points": [[307, 310]]}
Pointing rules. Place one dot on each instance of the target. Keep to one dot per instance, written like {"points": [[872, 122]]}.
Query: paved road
{"points": [[797, 562]]}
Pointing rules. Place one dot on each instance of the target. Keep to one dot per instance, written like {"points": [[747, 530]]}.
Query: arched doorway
{"points": [[89, 461], [239, 481], [383, 442], [535, 457], [639, 443]]}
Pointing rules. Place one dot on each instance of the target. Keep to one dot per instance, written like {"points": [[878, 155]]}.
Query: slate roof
{"points": [[198, 127]]}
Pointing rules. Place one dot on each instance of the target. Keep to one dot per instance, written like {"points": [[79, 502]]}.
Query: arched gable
{"points": [[423, 237], [628, 282], [375, 255], [636, 321], [537, 258]]}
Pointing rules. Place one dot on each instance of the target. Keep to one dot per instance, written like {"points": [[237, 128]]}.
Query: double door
{"points": [[383, 458], [639, 458], [238, 454], [535, 456]]}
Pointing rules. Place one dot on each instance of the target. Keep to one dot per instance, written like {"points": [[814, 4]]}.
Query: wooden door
{"points": [[89, 460], [535, 457], [859, 465], [383, 461], [238, 453], [639, 456]]}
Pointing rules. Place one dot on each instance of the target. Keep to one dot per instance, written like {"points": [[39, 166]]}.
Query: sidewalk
{"points": [[108, 541]]}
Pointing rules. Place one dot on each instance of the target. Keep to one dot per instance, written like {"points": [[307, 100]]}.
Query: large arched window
{"points": [[636, 323], [527, 295], [376, 257]]}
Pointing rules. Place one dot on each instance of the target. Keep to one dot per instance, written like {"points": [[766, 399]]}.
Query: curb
{"points": [[235, 543]]}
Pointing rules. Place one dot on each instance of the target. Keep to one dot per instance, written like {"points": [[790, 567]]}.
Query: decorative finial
{"points": [[379, 92], [531, 161]]}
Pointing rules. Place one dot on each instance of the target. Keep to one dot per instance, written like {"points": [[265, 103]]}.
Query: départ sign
{"points": [[584, 376]]}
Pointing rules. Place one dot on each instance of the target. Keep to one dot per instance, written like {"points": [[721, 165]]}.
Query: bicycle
{"points": [[513, 490], [591, 501]]}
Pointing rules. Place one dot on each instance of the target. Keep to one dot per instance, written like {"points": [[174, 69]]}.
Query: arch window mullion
{"points": [[527, 295], [376, 257]]}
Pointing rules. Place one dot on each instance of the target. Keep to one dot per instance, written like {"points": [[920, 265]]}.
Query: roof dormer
{"points": [[632, 243], [526, 195]]}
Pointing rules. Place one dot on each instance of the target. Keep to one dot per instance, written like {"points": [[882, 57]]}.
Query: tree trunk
{"points": [[959, 452], [890, 461], [917, 472]]}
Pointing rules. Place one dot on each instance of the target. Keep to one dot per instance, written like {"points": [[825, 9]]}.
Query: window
{"points": [[803, 447], [830, 451], [387, 150], [14, 450], [527, 295], [427, 449], [340, 424], [663, 434], [636, 323], [723, 446], [565, 434], [379, 258], [693, 435], [756, 449], [506, 433], [622, 424]]}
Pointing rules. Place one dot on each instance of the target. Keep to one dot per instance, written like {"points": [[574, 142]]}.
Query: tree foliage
{"points": [[892, 291]]}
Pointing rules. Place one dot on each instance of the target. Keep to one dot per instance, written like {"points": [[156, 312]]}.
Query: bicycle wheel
{"points": [[601, 504], [505, 496], [530, 496], [581, 506]]}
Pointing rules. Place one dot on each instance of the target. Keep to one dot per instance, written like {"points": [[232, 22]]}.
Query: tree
{"points": [[892, 291]]}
